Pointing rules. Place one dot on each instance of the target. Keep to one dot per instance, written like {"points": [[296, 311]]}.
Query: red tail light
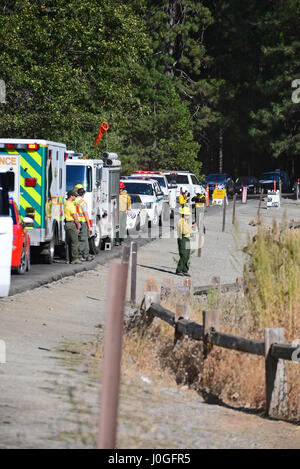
{"points": [[33, 146], [9, 146], [30, 182]]}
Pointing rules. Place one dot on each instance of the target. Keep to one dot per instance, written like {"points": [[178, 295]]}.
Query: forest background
{"points": [[204, 86]]}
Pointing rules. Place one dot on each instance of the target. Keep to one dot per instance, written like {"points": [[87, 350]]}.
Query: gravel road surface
{"points": [[50, 392]]}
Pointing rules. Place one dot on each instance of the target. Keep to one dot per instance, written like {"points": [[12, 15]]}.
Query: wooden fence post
{"points": [[259, 205], [224, 214], [276, 381], [125, 254], [211, 320], [133, 272], [233, 209], [112, 356]]}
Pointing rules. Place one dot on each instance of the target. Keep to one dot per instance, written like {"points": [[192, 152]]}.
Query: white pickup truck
{"points": [[168, 189], [185, 181]]}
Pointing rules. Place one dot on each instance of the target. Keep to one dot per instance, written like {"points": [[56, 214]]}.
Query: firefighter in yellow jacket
{"points": [[184, 228], [184, 198], [83, 218], [124, 206]]}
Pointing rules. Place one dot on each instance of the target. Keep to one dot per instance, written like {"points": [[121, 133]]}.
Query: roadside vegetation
{"points": [[179, 82], [272, 276]]}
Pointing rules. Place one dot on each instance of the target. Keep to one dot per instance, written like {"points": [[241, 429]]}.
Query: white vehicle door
{"points": [[172, 198], [159, 197], [6, 239]]}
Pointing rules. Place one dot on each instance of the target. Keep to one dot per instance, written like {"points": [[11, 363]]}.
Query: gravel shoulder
{"points": [[50, 393]]}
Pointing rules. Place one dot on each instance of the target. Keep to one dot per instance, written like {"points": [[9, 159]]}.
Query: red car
{"points": [[20, 260]]}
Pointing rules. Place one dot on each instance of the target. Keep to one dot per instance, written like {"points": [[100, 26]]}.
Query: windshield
{"points": [[271, 176], [79, 175], [160, 180], [215, 178], [138, 188], [177, 179]]}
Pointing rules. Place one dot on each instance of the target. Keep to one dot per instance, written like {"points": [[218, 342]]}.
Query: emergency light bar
{"points": [[148, 172], [20, 146]]}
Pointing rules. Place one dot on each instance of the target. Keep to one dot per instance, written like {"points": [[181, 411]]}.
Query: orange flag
{"points": [[102, 129]]}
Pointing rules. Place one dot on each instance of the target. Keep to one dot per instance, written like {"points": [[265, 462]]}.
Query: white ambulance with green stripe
{"points": [[35, 173]]}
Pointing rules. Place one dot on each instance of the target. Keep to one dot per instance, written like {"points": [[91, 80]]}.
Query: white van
{"points": [[150, 193], [185, 181]]}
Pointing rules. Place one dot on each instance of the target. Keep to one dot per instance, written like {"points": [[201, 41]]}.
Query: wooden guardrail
{"points": [[272, 348]]}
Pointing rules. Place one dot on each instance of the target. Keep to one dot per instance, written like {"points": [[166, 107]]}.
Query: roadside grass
{"points": [[272, 276]]}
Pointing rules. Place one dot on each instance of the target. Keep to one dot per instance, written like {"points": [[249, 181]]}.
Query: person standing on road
{"points": [[72, 228], [184, 198], [199, 201], [184, 233], [124, 206], [83, 218]]}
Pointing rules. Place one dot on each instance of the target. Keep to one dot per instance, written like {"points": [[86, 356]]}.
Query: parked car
{"points": [[267, 179], [137, 216], [151, 196], [185, 181], [221, 181], [20, 260], [249, 181], [169, 190]]}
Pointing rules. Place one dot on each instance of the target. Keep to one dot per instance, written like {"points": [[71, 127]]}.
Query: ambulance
{"points": [[35, 173], [100, 179]]}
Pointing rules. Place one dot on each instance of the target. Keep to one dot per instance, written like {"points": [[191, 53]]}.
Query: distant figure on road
{"points": [[184, 198], [199, 201], [184, 233], [72, 228]]}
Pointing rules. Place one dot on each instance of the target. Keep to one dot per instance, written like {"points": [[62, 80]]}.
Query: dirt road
{"points": [[49, 387]]}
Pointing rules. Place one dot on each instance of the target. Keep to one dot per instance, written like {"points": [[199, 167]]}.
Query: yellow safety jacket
{"points": [[124, 202], [182, 199], [80, 213], [183, 228]]}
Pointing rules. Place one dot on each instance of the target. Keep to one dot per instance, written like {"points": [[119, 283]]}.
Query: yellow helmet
{"points": [[185, 211], [79, 186]]}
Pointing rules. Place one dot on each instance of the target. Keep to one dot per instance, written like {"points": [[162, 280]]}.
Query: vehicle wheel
{"points": [[97, 239], [138, 224], [21, 269], [28, 265], [166, 213], [156, 219], [49, 257], [144, 227]]}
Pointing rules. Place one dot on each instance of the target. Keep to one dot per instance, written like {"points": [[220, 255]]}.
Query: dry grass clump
{"points": [[272, 275]]}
